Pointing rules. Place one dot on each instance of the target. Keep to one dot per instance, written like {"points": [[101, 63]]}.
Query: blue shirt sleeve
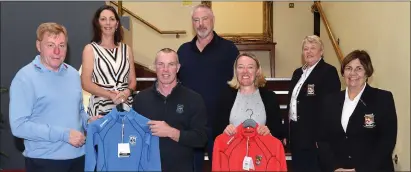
{"points": [[150, 160], [91, 154], [150, 157], [22, 101]]}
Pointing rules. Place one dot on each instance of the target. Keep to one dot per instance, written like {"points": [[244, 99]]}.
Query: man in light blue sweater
{"points": [[46, 106]]}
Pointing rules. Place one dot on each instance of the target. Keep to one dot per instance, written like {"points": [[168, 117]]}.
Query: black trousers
{"points": [[199, 164], [47, 165], [304, 158]]}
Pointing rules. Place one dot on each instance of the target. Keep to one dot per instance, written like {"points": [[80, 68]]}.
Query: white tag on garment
{"points": [[248, 163], [123, 150]]}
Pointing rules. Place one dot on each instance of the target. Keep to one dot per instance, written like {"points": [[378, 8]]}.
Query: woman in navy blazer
{"points": [[360, 123], [309, 85]]}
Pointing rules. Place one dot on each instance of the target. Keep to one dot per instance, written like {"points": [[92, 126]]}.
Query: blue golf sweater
{"points": [[44, 106], [121, 127]]}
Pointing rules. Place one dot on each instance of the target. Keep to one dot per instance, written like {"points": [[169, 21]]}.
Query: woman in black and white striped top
{"points": [[108, 64]]}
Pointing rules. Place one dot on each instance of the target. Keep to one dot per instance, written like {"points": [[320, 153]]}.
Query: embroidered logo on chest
{"points": [[132, 140], [180, 109]]}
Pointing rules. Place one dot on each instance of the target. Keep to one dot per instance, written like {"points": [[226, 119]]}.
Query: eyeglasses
{"points": [[357, 70], [163, 65]]}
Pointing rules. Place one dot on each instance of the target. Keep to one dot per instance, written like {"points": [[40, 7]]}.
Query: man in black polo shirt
{"points": [[206, 67], [177, 115]]}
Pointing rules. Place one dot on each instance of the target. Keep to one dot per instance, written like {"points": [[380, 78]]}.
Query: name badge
{"points": [[310, 90], [123, 150], [248, 163]]}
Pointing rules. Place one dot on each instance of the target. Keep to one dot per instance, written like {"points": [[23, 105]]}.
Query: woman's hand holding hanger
{"points": [[261, 130], [120, 96], [114, 96], [230, 130]]}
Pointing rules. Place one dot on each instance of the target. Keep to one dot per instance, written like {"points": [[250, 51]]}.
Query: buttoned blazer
{"points": [[371, 133]]}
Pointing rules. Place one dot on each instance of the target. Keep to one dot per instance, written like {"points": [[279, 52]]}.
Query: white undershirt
{"points": [[293, 103], [348, 108]]}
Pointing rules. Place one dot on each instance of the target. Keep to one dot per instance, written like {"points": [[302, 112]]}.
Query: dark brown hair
{"points": [[118, 34], [364, 58]]}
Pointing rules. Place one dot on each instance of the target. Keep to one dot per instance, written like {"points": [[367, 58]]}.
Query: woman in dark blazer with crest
{"points": [[309, 85], [360, 123]]}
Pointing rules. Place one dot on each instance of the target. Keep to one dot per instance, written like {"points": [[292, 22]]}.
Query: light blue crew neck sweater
{"points": [[44, 106]]}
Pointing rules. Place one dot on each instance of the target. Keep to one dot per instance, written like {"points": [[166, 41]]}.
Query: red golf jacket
{"points": [[267, 152]]}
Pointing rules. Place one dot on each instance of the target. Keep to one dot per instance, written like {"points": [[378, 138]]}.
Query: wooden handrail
{"points": [[123, 9], [318, 7]]}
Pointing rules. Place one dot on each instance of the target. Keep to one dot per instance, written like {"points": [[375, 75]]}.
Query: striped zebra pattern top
{"points": [[111, 70]]}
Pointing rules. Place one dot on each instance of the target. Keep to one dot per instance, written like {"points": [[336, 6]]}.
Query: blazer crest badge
{"points": [[369, 121], [310, 90]]}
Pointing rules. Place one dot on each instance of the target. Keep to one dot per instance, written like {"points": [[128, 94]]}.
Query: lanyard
{"points": [[246, 153], [122, 132]]}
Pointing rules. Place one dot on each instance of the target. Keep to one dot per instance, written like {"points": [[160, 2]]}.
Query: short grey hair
{"points": [[201, 6], [167, 51]]}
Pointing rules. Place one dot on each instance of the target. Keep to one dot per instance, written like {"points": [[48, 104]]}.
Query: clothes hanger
{"points": [[120, 108], [249, 122], [123, 107]]}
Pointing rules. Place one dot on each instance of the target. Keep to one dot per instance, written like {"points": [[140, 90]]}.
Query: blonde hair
{"points": [[260, 78], [51, 28], [312, 39]]}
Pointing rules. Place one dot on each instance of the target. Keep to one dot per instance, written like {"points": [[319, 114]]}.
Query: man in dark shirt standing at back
{"points": [[206, 67]]}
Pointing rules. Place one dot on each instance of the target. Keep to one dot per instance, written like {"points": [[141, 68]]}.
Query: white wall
{"points": [[291, 25]]}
